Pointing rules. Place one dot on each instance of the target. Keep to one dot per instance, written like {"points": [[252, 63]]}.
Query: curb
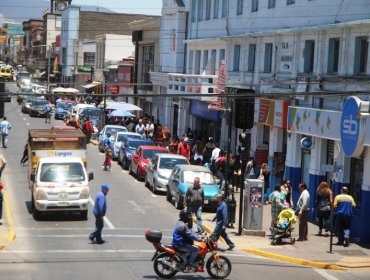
{"points": [[294, 260]]}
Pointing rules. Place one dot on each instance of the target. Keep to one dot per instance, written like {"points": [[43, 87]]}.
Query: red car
{"points": [[141, 157]]}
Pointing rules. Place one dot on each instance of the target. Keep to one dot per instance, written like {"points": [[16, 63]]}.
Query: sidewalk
{"points": [[7, 232], [313, 252]]}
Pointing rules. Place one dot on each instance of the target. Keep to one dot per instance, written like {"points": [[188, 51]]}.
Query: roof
{"points": [[60, 159], [171, 156], [154, 148], [199, 168]]}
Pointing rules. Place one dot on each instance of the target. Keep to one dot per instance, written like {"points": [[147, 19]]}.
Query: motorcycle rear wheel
{"points": [[218, 269], [161, 269]]}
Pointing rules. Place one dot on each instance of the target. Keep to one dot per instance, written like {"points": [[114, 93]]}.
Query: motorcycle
{"points": [[168, 261]]}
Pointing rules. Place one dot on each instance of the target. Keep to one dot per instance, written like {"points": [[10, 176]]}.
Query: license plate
{"points": [[206, 201], [63, 204]]}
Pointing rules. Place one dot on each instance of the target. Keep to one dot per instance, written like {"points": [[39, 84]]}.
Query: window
{"points": [[268, 58], [89, 58], [147, 67], [197, 63], [215, 8], [205, 59], [357, 174], [190, 62], [236, 59], [251, 57], [222, 56], [271, 4], [193, 10], [333, 55], [239, 7], [361, 54], [309, 56], [200, 10], [255, 5], [290, 2], [224, 7], [208, 9]]}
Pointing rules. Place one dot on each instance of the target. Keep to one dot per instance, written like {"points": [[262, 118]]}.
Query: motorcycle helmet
{"points": [[185, 216]]}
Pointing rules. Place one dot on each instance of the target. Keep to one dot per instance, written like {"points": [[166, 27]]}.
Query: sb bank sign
{"points": [[352, 128]]}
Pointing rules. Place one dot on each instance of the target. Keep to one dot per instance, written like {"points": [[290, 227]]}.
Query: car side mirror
{"points": [[33, 177], [91, 176]]}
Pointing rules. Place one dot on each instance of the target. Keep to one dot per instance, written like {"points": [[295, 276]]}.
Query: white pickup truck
{"points": [[57, 167]]}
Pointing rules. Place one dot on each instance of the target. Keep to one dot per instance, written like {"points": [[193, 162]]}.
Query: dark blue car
{"points": [[128, 147], [62, 109]]}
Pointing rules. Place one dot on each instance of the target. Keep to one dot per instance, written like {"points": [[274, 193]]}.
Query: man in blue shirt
{"points": [[48, 109], [100, 208], [5, 126], [221, 222]]}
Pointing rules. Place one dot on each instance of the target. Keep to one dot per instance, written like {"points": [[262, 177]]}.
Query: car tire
{"points": [[154, 187], [130, 169], [137, 174], [83, 215], [178, 202], [147, 184], [168, 195]]}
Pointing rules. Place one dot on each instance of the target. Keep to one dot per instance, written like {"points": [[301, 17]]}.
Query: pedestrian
{"points": [[219, 168], [302, 209], [265, 172], [149, 130], [250, 169], [140, 128], [323, 205], [207, 151], [5, 126], [277, 205], [343, 204], [48, 109], [100, 209], [1, 202], [88, 129], [194, 199], [73, 122], [2, 164], [184, 148], [221, 222], [24, 158], [215, 156], [174, 144], [237, 172], [286, 188], [197, 156], [108, 159]]}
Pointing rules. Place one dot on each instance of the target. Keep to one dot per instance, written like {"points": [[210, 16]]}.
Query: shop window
{"points": [[356, 180]]}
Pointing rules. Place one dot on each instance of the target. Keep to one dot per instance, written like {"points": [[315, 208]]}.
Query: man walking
{"points": [[100, 208], [5, 126], [221, 222], [194, 198], [302, 207], [343, 204], [48, 109]]}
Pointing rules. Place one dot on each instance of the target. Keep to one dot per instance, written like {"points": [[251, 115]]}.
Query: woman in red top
{"points": [[184, 148], [173, 146]]}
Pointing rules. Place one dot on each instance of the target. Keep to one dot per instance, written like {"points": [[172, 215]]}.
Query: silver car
{"points": [[159, 170]]}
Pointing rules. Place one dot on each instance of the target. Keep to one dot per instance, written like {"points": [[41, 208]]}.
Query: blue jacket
{"points": [[107, 141], [182, 235], [221, 214], [100, 207], [343, 204]]}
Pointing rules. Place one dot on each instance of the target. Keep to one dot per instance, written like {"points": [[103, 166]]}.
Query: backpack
{"points": [[88, 127]]}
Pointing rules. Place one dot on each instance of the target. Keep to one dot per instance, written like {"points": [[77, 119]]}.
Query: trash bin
{"points": [[231, 210]]}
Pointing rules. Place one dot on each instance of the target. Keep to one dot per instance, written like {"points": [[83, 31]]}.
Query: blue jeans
{"points": [[218, 231], [198, 214], [99, 224], [191, 251]]}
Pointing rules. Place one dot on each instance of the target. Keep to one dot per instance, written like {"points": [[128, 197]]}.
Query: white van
{"points": [[77, 110]]}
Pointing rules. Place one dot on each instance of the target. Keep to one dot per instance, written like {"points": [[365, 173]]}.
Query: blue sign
{"points": [[306, 143], [352, 128]]}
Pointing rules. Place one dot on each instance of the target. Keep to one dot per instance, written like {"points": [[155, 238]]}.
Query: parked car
{"points": [[183, 176], [159, 170], [62, 108], [112, 129], [26, 105], [37, 108], [119, 138], [128, 147], [141, 157]]}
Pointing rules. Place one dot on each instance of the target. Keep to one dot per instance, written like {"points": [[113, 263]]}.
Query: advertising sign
{"points": [[352, 128]]}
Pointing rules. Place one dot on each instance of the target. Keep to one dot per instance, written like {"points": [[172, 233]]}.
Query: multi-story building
{"points": [[33, 41]]}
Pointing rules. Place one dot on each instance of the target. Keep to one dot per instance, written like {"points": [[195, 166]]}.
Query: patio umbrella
{"points": [[120, 113], [59, 89], [71, 90], [123, 106]]}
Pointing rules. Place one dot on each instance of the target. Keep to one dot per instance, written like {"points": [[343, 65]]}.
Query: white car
{"points": [[159, 170], [112, 129], [119, 138]]}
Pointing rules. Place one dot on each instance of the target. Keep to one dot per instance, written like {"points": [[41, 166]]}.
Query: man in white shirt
{"points": [[5, 126], [302, 208], [140, 128]]}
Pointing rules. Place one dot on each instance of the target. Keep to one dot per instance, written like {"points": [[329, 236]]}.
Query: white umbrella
{"points": [[123, 106], [71, 90], [59, 89]]}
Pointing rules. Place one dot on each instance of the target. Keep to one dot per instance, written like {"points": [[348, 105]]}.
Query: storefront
{"points": [[317, 152]]}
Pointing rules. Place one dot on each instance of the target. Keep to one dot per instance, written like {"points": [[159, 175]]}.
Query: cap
{"points": [[186, 139], [105, 186]]}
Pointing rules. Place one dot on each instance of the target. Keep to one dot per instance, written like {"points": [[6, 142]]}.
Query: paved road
{"points": [[57, 247]]}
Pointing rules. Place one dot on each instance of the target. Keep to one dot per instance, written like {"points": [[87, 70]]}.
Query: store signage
{"points": [[306, 143], [352, 128], [113, 89], [84, 69]]}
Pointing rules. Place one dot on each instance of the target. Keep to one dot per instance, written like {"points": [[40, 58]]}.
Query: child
{"points": [[283, 224], [108, 159]]}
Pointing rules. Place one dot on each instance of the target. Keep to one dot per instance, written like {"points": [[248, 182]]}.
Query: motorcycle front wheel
{"points": [[163, 270], [218, 269]]}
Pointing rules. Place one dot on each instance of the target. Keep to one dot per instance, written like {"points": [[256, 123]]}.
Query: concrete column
{"points": [[183, 116]]}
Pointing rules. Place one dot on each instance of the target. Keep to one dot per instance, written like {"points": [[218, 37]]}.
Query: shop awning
{"points": [[91, 85]]}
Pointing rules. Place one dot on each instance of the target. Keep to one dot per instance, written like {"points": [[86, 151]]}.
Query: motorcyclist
{"points": [[183, 238]]}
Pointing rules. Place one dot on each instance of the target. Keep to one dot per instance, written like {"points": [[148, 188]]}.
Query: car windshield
{"points": [[113, 130], [123, 137], [64, 105], [25, 90], [151, 153], [205, 177], [39, 102], [62, 172], [169, 163], [91, 113], [132, 144]]}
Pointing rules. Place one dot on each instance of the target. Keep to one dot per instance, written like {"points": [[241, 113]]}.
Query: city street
{"points": [[57, 247]]}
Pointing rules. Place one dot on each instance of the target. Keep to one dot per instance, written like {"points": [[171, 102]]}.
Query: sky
{"points": [[152, 7]]}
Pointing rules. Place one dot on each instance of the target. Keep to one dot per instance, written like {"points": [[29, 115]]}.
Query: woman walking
{"points": [[323, 204]]}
